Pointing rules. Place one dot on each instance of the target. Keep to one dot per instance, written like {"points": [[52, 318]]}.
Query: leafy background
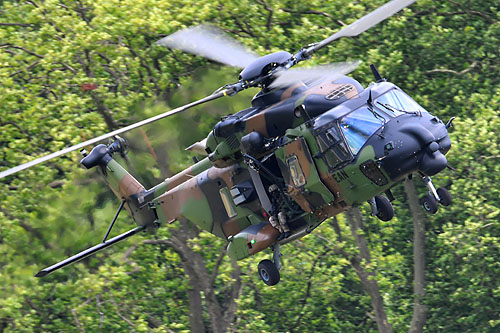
{"points": [[444, 54]]}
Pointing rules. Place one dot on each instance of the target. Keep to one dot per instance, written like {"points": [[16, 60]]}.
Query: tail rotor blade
{"points": [[211, 43]]}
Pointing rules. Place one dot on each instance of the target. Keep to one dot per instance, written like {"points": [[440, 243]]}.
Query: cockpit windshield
{"points": [[359, 125], [395, 103]]}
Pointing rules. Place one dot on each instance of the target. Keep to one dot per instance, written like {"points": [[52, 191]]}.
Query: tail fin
{"points": [[122, 183]]}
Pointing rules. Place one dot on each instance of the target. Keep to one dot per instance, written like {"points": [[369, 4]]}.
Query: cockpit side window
{"points": [[332, 146], [395, 102], [359, 125]]}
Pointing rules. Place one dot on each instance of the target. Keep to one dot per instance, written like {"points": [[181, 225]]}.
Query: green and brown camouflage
{"points": [[123, 184], [301, 153], [296, 174], [273, 113]]}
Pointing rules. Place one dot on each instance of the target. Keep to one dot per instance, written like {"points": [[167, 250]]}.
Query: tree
{"points": [[77, 69]]}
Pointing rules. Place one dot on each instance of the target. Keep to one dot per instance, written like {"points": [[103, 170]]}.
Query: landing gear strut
{"points": [[269, 270], [431, 200]]}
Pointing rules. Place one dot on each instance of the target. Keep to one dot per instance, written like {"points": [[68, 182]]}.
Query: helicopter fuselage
{"points": [[333, 159], [312, 144]]}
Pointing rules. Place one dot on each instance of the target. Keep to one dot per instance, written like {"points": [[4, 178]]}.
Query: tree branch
{"points": [[246, 29], [449, 71], [16, 24], [145, 66], [28, 136], [80, 328], [464, 10], [27, 228], [8, 45], [313, 12], [73, 311], [307, 294], [269, 16], [101, 314], [474, 12], [118, 312], [195, 268], [29, 68], [34, 307], [215, 272]]}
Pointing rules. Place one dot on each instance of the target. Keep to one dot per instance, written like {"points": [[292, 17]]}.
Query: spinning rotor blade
{"points": [[111, 134], [364, 23], [329, 72], [211, 43]]}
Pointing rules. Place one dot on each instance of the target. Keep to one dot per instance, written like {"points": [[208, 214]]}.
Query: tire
{"points": [[430, 204], [444, 196], [268, 272], [384, 208]]}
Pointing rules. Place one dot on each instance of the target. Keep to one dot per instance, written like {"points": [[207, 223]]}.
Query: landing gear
{"points": [[429, 203], [444, 196], [382, 208], [269, 270], [431, 200]]}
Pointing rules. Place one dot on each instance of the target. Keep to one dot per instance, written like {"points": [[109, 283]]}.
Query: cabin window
{"points": [[296, 172], [332, 146], [228, 202], [359, 125]]}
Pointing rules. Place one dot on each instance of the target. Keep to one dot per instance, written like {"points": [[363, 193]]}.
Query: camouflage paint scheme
{"points": [[219, 195], [273, 113]]}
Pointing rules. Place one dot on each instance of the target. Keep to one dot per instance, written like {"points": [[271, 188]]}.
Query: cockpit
{"points": [[340, 134]]}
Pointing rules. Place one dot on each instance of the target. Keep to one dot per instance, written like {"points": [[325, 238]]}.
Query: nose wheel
{"points": [[444, 196], [429, 203], [431, 200]]}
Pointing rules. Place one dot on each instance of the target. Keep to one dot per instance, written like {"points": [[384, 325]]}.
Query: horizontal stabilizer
{"points": [[88, 252]]}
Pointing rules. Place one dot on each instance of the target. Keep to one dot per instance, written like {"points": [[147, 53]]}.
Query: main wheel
{"points": [[429, 203], [384, 208], [444, 196], [268, 272]]}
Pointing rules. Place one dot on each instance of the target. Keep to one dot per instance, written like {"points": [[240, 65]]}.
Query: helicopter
{"points": [[312, 144]]}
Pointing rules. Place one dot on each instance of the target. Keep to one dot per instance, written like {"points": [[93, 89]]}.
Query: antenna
{"points": [[376, 74]]}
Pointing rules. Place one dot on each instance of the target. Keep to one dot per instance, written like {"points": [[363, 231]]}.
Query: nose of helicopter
{"points": [[413, 143]]}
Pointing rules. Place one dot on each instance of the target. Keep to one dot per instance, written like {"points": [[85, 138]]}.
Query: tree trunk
{"points": [[368, 278], [221, 312], [195, 303], [419, 308]]}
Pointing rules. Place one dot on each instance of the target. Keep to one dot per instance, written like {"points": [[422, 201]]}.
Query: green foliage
{"points": [[54, 53]]}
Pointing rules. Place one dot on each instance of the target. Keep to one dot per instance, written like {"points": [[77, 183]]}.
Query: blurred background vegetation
{"points": [[444, 54]]}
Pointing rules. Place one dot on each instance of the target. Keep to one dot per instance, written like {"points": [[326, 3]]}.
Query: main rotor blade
{"points": [[364, 23], [111, 134], [329, 72], [210, 43]]}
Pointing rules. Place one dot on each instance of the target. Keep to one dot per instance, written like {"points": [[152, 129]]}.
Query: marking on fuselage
{"points": [[340, 176]]}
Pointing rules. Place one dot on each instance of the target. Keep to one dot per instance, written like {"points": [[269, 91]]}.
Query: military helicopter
{"points": [[313, 143]]}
